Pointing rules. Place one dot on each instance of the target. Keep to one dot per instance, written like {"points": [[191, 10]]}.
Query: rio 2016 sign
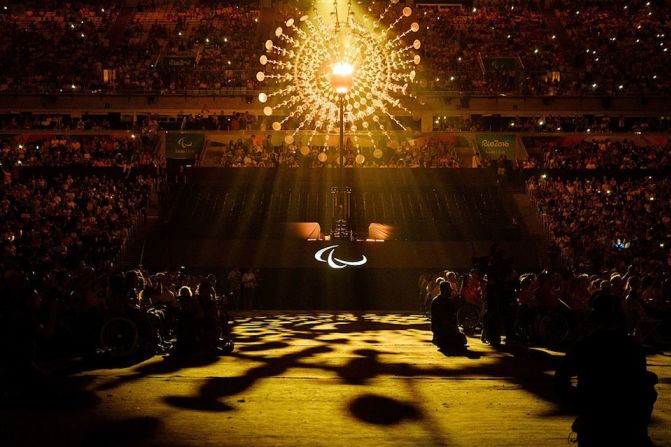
{"points": [[495, 145], [336, 263]]}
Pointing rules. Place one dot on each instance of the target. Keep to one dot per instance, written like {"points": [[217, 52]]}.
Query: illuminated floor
{"points": [[317, 379]]}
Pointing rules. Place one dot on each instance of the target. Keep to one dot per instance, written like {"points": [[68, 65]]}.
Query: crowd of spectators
{"points": [[489, 49], [608, 223], [258, 152], [53, 122], [598, 124], [66, 221], [606, 236], [72, 47], [617, 47], [603, 48], [206, 120], [601, 124], [141, 121], [600, 48], [86, 311], [54, 46], [221, 121], [141, 150], [606, 154], [82, 150], [201, 46]]}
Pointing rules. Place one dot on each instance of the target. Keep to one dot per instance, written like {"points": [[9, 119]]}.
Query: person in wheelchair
{"points": [[199, 327], [446, 333], [473, 290], [209, 325], [187, 323], [471, 302], [130, 325], [546, 294], [162, 316], [527, 306], [639, 324]]}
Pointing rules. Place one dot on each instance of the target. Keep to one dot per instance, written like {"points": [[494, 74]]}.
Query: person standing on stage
{"points": [[249, 285], [499, 298]]}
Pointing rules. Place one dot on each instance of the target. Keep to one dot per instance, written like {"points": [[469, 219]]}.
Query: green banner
{"points": [[183, 146], [495, 64], [495, 145], [177, 62]]}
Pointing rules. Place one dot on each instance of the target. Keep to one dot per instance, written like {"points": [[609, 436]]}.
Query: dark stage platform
{"points": [[268, 219], [292, 277]]}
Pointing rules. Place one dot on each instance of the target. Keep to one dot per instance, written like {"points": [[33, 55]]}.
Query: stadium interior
{"points": [[157, 152]]}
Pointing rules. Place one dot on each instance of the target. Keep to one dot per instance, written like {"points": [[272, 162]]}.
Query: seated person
{"points": [[473, 290], [209, 321], [188, 323], [446, 333]]}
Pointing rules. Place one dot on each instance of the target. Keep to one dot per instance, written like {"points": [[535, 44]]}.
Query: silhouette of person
{"points": [[188, 323], [615, 392], [499, 298], [249, 285], [446, 333]]}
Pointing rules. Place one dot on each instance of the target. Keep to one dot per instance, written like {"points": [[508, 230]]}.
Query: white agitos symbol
{"points": [[182, 142], [336, 263]]}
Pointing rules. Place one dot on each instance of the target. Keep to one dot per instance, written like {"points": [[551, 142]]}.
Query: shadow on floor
{"points": [[380, 410]]}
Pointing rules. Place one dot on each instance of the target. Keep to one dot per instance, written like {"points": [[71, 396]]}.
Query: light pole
{"points": [[341, 101], [341, 81]]}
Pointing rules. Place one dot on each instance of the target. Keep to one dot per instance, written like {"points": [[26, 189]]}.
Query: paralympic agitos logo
{"points": [[184, 143], [336, 263]]}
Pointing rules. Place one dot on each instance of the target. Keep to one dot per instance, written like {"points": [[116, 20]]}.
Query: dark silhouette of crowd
{"points": [[107, 312], [550, 123], [551, 307]]}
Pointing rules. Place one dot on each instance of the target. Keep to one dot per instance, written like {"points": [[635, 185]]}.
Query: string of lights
{"points": [[301, 63]]}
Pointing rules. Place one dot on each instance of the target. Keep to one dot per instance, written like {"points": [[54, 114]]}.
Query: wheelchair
{"points": [[469, 318], [131, 334], [553, 328], [119, 337], [549, 327]]}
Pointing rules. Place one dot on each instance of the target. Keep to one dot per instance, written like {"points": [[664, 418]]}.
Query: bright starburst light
{"points": [[305, 65]]}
